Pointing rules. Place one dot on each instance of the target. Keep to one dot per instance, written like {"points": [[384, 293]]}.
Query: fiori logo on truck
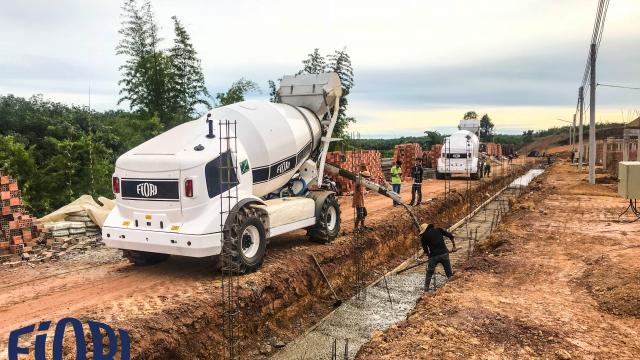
{"points": [[283, 167], [146, 189], [106, 343]]}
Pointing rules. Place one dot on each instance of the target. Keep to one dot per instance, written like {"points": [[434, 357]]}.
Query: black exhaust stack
{"points": [[210, 135]]}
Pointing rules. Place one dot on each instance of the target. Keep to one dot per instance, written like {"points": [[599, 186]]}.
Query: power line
{"points": [[619, 86], [604, 17], [596, 36]]}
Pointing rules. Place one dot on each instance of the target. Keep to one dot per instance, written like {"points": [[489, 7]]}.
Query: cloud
{"points": [[543, 79], [415, 59]]}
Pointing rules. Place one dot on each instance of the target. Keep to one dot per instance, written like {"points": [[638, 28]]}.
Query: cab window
{"points": [[220, 174]]}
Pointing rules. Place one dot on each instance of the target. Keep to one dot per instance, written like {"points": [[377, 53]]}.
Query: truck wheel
{"points": [[475, 175], [327, 225], [143, 258], [249, 245], [439, 176]]}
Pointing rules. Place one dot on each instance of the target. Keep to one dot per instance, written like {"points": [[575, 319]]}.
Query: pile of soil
{"points": [[563, 284], [615, 286]]}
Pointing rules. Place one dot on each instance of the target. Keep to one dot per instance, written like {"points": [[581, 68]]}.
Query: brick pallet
{"points": [[508, 149], [17, 230], [493, 149], [430, 158], [407, 153], [351, 160]]}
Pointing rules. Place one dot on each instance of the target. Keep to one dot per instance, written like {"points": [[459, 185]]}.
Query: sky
{"points": [[418, 64]]}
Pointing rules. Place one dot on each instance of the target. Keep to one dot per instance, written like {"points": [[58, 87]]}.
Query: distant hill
{"points": [[552, 142], [541, 140]]}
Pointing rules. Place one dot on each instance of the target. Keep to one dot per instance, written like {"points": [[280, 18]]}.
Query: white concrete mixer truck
{"points": [[460, 154], [255, 165]]}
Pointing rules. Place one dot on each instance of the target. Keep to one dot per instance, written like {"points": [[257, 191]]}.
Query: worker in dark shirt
{"points": [[432, 240], [416, 173]]}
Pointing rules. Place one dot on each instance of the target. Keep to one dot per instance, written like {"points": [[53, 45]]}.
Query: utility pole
{"points": [[580, 129], [573, 137], [592, 117], [571, 134]]}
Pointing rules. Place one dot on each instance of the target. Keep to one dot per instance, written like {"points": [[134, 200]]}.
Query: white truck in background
{"points": [[460, 154], [170, 198]]}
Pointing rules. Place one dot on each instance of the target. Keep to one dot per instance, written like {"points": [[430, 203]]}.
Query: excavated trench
{"points": [[393, 296], [287, 296]]}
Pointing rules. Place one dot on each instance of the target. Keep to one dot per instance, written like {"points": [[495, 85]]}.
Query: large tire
{"points": [[476, 175], [327, 225], [249, 244], [143, 258], [439, 176]]}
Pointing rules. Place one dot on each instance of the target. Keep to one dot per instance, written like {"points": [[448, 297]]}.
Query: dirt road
{"points": [[560, 280], [176, 298]]}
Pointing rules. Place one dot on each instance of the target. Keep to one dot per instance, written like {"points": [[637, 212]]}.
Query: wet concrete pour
{"points": [[388, 302]]}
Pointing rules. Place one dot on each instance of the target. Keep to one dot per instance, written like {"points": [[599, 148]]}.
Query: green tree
{"points": [[432, 138], [58, 152], [340, 63], [186, 81], [470, 115], [145, 73], [527, 136], [130, 130], [135, 45], [236, 92], [17, 161], [486, 128], [314, 64], [273, 92]]}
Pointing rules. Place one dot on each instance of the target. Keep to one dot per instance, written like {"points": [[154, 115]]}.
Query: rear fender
{"points": [[246, 203]]}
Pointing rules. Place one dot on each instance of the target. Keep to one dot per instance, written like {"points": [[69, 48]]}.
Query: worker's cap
{"points": [[365, 174], [425, 227]]}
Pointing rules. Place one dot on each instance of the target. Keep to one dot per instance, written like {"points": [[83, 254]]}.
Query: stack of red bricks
{"points": [[351, 160], [18, 233], [494, 149], [430, 158], [407, 153], [508, 149]]}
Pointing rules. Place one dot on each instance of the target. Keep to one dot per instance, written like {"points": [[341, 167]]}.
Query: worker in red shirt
{"points": [[358, 199]]}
